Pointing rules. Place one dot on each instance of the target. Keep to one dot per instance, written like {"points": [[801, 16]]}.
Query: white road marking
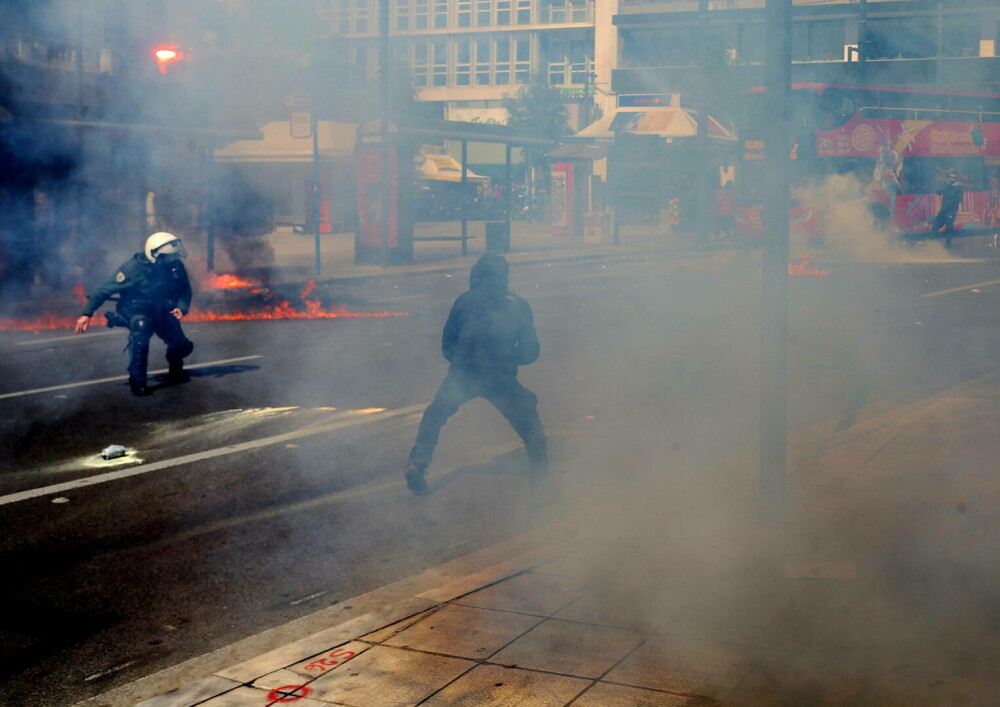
{"points": [[64, 386], [78, 337], [353, 417], [960, 289]]}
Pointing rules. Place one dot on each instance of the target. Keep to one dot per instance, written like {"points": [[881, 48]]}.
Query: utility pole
{"points": [[702, 199], [862, 40], [383, 66], [773, 442]]}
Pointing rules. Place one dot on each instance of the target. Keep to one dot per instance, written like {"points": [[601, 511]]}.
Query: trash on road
{"points": [[113, 452]]}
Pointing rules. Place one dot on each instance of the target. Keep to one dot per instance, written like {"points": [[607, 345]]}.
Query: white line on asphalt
{"points": [[959, 289], [64, 386], [52, 340], [355, 417]]}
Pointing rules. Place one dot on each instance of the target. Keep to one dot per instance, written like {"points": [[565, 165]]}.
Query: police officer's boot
{"points": [[415, 480], [176, 373], [138, 387]]}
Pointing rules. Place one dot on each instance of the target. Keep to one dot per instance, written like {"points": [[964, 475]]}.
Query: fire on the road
{"points": [[266, 306]]}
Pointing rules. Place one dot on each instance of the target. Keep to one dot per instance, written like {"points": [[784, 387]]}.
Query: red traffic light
{"points": [[166, 55]]}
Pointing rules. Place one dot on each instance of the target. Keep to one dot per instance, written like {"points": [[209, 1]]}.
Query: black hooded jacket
{"points": [[489, 329]]}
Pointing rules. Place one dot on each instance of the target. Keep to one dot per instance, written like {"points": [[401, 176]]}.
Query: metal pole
{"points": [[507, 195], [463, 197], [315, 182], [383, 65], [702, 162], [862, 40], [772, 448]]}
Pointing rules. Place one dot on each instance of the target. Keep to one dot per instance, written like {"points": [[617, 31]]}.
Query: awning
{"points": [[445, 168], [670, 122], [579, 151], [278, 144]]}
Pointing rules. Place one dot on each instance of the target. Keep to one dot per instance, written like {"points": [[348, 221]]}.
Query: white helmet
{"points": [[164, 243]]}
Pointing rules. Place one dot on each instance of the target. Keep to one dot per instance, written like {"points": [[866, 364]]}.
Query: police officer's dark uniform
{"points": [[489, 333], [153, 294]]}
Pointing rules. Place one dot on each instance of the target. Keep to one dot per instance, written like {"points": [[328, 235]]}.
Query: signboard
{"points": [[370, 190], [562, 199], [641, 100]]}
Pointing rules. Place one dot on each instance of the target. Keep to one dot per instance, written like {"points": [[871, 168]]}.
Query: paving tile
{"points": [[508, 687], [388, 677], [384, 633], [464, 631], [191, 694], [608, 608], [253, 697], [680, 665], [604, 695], [292, 653], [464, 585], [530, 593], [317, 665], [820, 570], [577, 565], [874, 440], [569, 648]]}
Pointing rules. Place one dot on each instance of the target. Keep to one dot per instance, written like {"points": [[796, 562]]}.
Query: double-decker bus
{"points": [[902, 144]]}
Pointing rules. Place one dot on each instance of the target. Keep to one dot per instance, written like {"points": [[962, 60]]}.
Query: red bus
{"points": [[900, 143]]}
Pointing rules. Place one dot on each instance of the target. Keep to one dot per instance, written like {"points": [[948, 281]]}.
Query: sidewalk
{"points": [[877, 590], [294, 255]]}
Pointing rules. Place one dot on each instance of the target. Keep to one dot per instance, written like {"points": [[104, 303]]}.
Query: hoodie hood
{"points": [[490, 271]]}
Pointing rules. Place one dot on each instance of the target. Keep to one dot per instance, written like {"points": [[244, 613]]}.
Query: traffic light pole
{"points": [[773, 440], [383, 65]]}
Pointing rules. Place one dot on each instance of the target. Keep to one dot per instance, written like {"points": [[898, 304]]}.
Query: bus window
{"points": [[836, 107], [925, 175], [976, 108]]}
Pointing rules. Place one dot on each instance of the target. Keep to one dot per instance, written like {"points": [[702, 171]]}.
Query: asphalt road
{"points": [[270, 485]]}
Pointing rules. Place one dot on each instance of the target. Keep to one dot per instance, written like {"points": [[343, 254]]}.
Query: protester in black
{"points": [[154, 294], [489, 333], [951, 199]]}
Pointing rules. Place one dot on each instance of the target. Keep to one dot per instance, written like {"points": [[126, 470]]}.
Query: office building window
{"points": [[419, 64], [483, 61], [403, 9], [522, 60], [524, 11], [440, 14], [463, 61], [464, 13], [361, 16], [484, 13], [570, 62], [439, 65], [561, 11], [503, 13], [960, 35], [750, 45], [818, 41], [501, 67], [422, 11], [902, 38]]}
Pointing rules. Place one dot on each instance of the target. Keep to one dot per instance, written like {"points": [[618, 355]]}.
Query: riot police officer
{"points": [[154, 294], [489, 333]]}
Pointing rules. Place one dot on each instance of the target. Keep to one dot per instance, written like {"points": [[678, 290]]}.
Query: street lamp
{"points": [[166, 55]]}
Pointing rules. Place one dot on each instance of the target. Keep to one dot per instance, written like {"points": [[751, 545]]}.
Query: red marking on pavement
{"points": [[326, 662], [288, 693]]}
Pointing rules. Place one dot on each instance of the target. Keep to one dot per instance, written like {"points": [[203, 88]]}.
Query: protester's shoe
{"points": [[176, 375], [139, 388], [543, 490], [415, 480]]}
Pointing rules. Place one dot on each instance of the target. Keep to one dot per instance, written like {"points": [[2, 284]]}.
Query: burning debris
{"points": [[804, 268], [240, 300]]}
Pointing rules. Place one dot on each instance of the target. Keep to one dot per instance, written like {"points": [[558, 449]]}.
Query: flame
{"points": [[80, 293], [803, 268], [225, 281], [274, 309]]}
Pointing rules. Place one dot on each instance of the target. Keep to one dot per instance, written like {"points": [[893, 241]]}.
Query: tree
{"points": [[539, 107]]}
